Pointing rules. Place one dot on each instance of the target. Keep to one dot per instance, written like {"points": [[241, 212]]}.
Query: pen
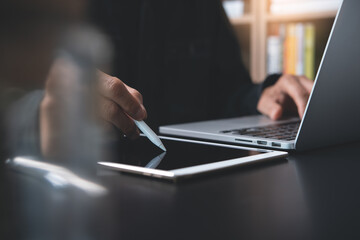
{"points": [[150, 134]]}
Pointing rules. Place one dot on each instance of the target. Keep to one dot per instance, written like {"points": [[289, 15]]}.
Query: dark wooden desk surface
{"points": [[313, 195]]}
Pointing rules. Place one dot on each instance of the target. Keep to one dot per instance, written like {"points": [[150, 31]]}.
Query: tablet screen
{"points": [[143, 153]]}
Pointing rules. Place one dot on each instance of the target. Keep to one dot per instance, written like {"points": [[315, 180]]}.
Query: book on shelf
{"points": [[234, 8], [309, 51], [281, 7], [291, 50], [275, 50]]}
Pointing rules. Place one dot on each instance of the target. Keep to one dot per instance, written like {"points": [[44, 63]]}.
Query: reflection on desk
{"points": [[312, 196]]}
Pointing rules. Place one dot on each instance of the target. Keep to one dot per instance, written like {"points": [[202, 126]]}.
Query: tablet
{"points": [[184, 157]]}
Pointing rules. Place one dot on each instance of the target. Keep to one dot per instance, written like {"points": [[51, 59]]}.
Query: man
{"points": [[184, 58]]}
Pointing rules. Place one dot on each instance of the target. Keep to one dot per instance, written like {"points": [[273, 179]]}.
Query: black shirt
{"points": [[181, 55]]}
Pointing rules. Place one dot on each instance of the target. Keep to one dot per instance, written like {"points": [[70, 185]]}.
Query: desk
{"points": [[314, 195]]}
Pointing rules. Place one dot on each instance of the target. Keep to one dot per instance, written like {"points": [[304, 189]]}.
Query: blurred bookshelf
{"points": [[301, 16], [265, 49], [246, 19]]}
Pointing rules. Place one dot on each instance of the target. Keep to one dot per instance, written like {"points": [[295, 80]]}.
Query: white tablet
{"points": [[184, 158]]}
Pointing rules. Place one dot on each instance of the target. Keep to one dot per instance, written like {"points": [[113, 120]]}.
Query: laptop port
{"points": [[243, 140], [262, 142], [274, 144]]}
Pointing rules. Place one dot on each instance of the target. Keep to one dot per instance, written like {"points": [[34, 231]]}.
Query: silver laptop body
{"points": [[332, 115]]}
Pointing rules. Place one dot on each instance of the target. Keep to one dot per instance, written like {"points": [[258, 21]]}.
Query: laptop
{"points": [[332, 115]]}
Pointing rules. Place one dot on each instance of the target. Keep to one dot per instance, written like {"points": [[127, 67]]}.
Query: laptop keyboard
{"points": [[285, 131]]}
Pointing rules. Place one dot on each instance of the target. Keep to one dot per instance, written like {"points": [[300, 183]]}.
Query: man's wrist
{"points": [[270, 81]]}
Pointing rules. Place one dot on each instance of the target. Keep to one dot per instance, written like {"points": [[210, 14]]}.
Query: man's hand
{"points": [[120, 103], [288, 96]]}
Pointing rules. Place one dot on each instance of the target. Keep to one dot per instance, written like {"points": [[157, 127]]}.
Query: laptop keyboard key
{"points": [[286, 131]]}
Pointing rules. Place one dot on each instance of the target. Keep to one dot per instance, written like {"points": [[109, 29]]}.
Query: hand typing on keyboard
{"points": [[288, 96]]}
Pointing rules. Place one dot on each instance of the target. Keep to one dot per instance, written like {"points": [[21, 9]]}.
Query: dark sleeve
{"points": [[22, 125], [233, 77]]}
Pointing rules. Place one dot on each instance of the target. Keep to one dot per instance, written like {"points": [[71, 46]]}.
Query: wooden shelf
{"points": [[301, 17], [258, 20], [246, 19]]}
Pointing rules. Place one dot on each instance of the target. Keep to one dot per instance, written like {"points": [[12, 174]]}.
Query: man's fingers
{"points": [[115, 90], [135, 93], [270, 107], [292, 86], [113, 114], [307, 83]]}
